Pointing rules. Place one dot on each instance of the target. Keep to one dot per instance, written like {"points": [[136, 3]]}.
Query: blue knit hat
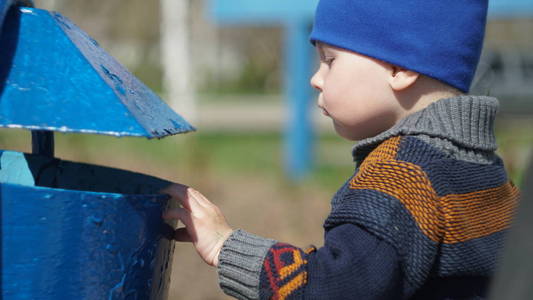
{"points": [[438, 38]]}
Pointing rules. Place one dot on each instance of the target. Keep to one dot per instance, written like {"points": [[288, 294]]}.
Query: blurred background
{"points": [[228, 81]]}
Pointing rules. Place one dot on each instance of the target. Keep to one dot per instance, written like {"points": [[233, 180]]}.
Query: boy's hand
{"points": [[205, 226]]}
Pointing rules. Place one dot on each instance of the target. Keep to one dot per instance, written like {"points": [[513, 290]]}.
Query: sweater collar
{"points": [[467, 121]]}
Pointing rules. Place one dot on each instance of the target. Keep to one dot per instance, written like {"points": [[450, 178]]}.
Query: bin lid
{"points": [[6, 4], [53, 76]]}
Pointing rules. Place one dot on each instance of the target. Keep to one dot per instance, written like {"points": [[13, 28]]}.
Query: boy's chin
{"points": [[352, 134], [345, 133]]}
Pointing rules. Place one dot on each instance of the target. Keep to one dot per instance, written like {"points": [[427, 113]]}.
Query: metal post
{"points": [[42, 142], [299, 134]]}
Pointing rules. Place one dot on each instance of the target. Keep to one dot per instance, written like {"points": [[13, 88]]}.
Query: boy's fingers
{"points": [[199, 198], [183, 194], [178, 213], [181, 235], [175, 189]]}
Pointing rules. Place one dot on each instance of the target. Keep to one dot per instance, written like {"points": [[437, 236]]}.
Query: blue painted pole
{"points": [[510, 9], [299, 132]]}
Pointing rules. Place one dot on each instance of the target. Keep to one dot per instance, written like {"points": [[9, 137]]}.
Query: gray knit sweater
{"points": [[460, 127]]}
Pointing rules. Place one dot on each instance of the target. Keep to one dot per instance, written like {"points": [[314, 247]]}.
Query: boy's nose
{"points": [[316, 81]]}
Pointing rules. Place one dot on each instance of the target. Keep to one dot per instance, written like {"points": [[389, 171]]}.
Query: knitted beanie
{"points": [[438, 38]]}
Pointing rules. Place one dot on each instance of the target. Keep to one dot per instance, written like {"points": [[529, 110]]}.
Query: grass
{"points": [[193, 156], [189, 156], [515, 141]]}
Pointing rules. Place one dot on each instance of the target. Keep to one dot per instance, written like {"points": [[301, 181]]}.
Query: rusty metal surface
{"points": [[54, 77]]}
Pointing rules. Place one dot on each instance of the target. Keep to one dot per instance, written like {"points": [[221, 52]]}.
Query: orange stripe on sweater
{"points": [[297, 282], [478, 214], [448, 219]]}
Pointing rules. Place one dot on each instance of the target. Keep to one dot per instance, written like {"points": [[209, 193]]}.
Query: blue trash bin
{"points": [[72, 230], [79, 231]]}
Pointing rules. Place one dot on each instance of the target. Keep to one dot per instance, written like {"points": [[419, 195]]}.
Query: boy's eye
{"points": [[328, 60]]}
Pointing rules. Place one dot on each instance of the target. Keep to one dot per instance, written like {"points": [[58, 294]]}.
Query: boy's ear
{"points": [[402, 78]]}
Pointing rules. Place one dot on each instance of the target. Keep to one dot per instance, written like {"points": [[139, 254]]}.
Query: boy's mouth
{"points": [[324, 111]]}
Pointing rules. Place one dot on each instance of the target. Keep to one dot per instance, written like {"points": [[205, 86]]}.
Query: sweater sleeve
{"points": [[352, 264]]}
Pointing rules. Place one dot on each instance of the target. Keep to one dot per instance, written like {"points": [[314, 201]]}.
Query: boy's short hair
{"points": [[441, 39]]}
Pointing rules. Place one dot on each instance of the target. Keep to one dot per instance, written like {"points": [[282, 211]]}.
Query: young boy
{"points": [[424, 215]]}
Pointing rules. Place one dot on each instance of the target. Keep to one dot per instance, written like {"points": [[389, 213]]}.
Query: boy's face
{"points": [[355, 93]]}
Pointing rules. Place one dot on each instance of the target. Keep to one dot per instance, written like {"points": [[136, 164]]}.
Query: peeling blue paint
{"points": [[53, 69]]}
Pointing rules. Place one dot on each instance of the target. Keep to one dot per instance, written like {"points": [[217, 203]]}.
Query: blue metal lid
{"points": [[53, 76]]}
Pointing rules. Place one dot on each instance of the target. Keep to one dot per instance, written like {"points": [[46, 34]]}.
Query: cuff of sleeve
{"points": [[240, 263]]}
